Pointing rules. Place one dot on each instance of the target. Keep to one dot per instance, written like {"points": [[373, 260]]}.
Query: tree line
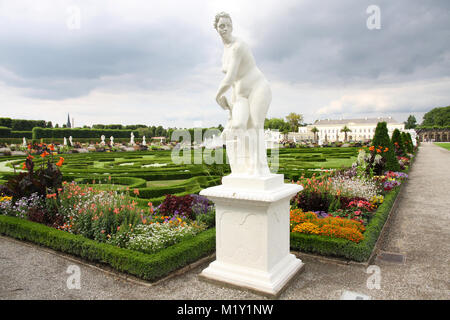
{"points": [[436, 117]]}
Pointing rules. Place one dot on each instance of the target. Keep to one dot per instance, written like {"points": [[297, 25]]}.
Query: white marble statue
{"points": [[65, 141], [70, 140], [24, 142], [132, 139], [112, 140], [252, 204], [250, 100], [144, 143], [103, 140]]}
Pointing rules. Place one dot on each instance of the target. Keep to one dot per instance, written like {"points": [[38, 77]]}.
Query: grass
{"points": [[445, 145], [164, 183]]}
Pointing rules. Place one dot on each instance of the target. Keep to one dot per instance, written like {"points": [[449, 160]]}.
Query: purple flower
{"points": [[321, 214]]}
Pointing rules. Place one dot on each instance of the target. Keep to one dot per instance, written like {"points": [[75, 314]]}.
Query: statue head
{"points": [[223, 24]]}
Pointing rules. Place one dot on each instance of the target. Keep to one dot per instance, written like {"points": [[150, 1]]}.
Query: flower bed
{"points": [[99, 220], [342, 214]]}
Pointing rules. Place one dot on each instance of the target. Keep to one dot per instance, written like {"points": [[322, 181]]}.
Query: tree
{"points": [[159, 131], [410, 145], [437, 117], [398, 143], [294, 120], [383, 146], [411, 122], [407, 142], [276, 124], [345, 130], [315, 130]]}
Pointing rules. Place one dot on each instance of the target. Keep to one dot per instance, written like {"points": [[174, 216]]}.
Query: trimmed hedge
{"points": [[5, 132], [146, 266], [130, 182], [21, 134], [39, 133], [361, 251], [22, 125]]}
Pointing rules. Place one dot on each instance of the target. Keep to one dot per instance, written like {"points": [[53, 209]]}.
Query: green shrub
{"points": [[381, 138], [398, 143], [5, 132], [39, 133]]}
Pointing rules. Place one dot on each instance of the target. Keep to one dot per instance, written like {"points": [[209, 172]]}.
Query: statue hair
{"points": [[221, 15]]}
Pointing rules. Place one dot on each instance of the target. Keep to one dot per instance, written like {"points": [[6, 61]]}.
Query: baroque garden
{"points": [[134, 208]]}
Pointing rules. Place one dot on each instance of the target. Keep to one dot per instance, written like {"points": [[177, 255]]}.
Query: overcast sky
{"points": [[159, 62]]}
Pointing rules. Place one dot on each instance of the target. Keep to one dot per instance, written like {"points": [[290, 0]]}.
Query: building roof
{"points": [[355, 121]]}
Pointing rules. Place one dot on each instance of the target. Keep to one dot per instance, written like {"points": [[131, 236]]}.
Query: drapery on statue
{"points": [[251, 97]]}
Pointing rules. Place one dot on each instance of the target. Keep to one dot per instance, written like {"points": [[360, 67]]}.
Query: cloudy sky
{"points": [[159, 62]]}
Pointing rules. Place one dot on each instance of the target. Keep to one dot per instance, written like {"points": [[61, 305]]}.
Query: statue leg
{"points": [[259, 102], [239, 151]]}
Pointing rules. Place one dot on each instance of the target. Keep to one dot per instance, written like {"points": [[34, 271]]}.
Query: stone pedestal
{"points": [[252, 233]]}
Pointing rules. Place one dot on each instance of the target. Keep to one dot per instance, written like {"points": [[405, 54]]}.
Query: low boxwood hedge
{"points": [[146, 266]]}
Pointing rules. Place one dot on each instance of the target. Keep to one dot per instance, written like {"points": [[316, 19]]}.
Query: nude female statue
{"points": [[251, 97]]}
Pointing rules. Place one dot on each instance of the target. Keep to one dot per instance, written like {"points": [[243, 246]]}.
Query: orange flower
{"points": [[30, 157], [44, 154], [24, 166], [378, 151], [136, 191], [386, 150], [60, 162], [51, 147], [372, 148]]}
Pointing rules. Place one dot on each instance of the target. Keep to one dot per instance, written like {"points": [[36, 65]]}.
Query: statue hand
{"points": [[223, 102]]}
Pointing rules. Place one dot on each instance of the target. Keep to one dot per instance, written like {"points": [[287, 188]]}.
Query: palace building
{"points": [[330, 130]]}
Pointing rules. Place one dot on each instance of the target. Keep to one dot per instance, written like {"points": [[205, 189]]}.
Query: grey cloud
{"points": [[328, 42], [51, 68]]}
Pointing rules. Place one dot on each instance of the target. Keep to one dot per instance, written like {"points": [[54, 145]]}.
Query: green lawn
{"points": [[164, 183], [445, 145]]}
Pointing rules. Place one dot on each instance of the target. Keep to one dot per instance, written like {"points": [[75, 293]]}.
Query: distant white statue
{"points": [[132, 139], [112, 140], [103, 140], [70, 140], [251, 97], [144, 143], [65, 141], [24, 142]]}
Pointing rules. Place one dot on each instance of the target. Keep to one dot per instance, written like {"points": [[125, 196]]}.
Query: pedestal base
{"points": [[269, 284], [252, 234]]}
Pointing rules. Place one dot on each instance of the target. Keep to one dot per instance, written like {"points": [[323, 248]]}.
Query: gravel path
{"points": [[419, 230]]}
